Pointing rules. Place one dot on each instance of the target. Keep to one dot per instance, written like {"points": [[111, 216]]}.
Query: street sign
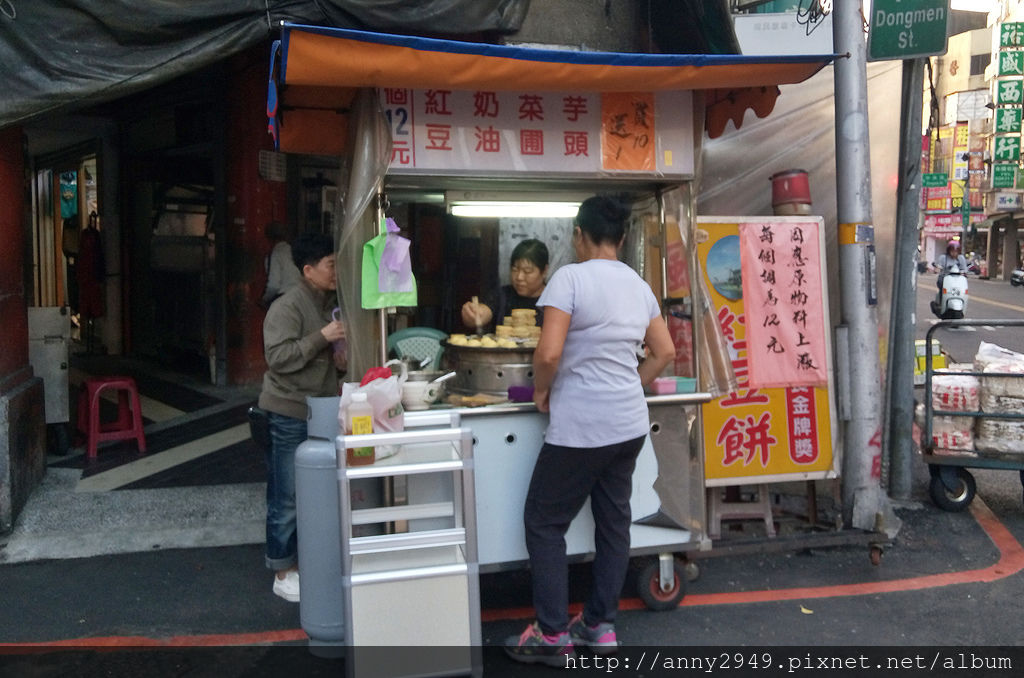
{"points": [[907, 30], [934, 179]]}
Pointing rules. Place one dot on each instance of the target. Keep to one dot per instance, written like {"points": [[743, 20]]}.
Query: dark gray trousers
{"points": [[562, 480]]}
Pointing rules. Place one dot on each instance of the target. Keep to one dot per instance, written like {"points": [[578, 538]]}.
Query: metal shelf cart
{"points": [[952, 486], [427, 576]]}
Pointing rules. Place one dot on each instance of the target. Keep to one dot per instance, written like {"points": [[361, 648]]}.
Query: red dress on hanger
{"points": [[90, 272]]}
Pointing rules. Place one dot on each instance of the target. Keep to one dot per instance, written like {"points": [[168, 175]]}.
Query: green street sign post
{"points": [[934, 179], [907, 30]]}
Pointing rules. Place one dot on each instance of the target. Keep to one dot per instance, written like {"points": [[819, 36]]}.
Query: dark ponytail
{"points": [[603, 219]]}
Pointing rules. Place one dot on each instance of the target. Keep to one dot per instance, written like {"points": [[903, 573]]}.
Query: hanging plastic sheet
{"points": [[79, 52], [363, 175], [711, 351]]}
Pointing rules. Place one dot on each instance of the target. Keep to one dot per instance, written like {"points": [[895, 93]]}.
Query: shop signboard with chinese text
{"points": [[477, 133], [1008, 201], [1011, 63], [1008, 92], [1004, 175], [944, 225], [961, 138], [1011, 34], [939, 198], [1008, 97], [767, 285], [1008, 120], [1007, 148]]}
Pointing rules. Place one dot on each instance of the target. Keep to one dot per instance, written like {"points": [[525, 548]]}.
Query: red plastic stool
{"points": [[129, 413]]}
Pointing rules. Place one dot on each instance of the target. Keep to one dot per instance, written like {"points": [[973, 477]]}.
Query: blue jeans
{"points": [[285, 435], [562, 480]]}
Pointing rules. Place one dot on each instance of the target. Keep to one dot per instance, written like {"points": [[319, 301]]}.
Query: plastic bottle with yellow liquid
{"points": [[359, 421]]}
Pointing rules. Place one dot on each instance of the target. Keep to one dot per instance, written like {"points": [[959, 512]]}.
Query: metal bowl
{"points": [[488, 370]]}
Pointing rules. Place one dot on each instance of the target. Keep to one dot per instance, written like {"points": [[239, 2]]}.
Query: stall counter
{"points": [[668, 491]]}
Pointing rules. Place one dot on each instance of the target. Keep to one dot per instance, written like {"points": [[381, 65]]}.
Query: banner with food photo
{"points": [[776, 426]]}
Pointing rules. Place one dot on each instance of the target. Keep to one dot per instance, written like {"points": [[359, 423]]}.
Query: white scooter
{"points": [[951, 303]]}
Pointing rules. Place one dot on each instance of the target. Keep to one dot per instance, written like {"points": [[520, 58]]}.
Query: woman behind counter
{"points": [[528, 268], [586, 373]]}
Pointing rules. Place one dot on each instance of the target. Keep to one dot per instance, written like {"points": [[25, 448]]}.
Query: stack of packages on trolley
{"points": [[954, 392], [1003, 395], [992, 394]]}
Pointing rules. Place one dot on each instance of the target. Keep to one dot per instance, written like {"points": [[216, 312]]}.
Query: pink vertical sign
{"points": [[782, 294]]}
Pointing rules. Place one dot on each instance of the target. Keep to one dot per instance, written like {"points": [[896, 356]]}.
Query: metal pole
{"points": [[900, 373], [382, 314], [862, 434]]}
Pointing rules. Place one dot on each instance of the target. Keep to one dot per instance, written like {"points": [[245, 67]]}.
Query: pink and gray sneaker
{"points": [[600, 638], [533, 646]]}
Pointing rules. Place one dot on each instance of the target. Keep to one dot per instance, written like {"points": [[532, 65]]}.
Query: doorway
{"points": [[68, 263]]}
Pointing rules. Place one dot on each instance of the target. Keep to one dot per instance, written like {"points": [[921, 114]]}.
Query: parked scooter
{"points": [[951, 303]]}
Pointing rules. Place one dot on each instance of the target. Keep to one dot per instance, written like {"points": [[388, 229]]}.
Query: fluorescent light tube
{"points": [[522, 209]]}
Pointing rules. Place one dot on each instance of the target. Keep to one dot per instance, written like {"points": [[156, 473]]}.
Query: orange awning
{"points": [[318, 68]]}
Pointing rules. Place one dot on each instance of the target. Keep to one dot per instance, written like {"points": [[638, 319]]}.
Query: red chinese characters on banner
{"points": [[803, 426], [742, 395], [436, 102], [470, 132], [783, 299], [439, 137], [531, 142], [485, 105], [488, 139], [743, 440], [747, 440]]}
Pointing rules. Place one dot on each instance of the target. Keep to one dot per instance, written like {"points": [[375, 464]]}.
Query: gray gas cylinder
{"points": [[321, 602]]}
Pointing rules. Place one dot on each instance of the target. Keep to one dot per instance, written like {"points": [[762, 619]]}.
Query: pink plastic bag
{"points": [[395, 274]]}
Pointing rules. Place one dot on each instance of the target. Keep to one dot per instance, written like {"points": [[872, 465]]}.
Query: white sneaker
{"points": [[288, 587]]}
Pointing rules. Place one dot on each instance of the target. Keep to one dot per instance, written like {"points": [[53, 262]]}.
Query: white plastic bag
{"points": [[955, 392], [953, 433], [993, 353], [385, 397]]}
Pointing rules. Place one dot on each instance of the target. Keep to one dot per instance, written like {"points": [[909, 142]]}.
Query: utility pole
{"points": [[857, 339], [899, 416]]}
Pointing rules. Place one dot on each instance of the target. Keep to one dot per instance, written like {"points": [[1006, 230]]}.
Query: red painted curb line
{"points": [[1010, 562]]}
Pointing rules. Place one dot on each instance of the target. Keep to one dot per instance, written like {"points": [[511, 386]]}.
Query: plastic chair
{"points": [[128, 424], [418, 343]]}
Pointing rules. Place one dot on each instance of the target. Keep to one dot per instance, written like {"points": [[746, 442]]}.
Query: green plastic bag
{"points": [[372, 297]]}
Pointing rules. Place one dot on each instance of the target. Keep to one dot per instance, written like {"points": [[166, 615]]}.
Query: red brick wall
{"points": [[13, 315], [252, 202]]}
